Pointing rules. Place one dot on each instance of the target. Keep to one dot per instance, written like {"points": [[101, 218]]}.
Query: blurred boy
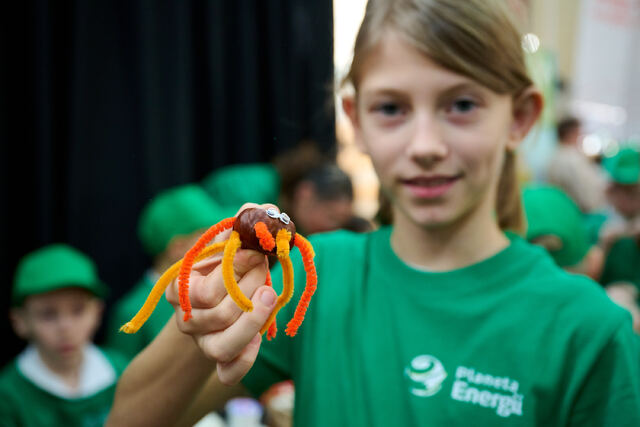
{"points": [[318, 198], [169, 225], [621, 276], [572, 171], [623, 194], [554, 221], [61, 378], [303, 182], [321, 200]]}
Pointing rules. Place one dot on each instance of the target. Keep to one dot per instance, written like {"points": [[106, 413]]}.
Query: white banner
{"points": [[606, 82]]}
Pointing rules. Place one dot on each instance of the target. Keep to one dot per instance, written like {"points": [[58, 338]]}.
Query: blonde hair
{"points": [[475, 38]]}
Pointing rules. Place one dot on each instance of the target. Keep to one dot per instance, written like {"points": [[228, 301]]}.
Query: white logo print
{"points": [[425, 374], [488, 391]]}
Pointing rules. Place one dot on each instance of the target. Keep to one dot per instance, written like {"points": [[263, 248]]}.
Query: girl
{"points": [[441, 318]]}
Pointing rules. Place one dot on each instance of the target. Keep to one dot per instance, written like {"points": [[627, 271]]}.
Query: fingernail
{"points": [[268, 297]]}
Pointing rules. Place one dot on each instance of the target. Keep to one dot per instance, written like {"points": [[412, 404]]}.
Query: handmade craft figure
{"points": [[266, 231]]}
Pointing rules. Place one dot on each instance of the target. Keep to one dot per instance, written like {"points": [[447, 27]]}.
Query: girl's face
{"points": [[437, 139]]}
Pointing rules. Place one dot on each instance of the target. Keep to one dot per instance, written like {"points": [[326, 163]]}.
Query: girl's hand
{"points": [[219, 327]]}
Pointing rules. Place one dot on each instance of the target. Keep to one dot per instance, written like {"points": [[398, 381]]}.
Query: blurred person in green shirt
{"points": [[623, 195], [555, 222], [61, 378], [302, 182]]}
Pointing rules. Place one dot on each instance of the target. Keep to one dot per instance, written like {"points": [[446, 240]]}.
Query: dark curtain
{"points": [[105, 103]]}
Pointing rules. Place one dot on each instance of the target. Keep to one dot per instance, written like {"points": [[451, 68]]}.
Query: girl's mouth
{"points": [[430, 187]]}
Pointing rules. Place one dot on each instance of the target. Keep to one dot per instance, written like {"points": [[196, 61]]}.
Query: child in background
{"points": [[168, 226], [571, 170], [61, 378], [555, 222], [302, 181], [621, 275], [623, 263], [623, 194], [620, 234], [322, 198], [442, 318]]}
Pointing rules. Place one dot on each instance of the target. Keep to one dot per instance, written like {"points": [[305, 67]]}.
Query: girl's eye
{"points": [[388, 109], [463, 106]]}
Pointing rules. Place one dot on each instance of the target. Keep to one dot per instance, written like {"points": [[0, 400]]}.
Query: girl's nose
{"points": [[426, 145]]}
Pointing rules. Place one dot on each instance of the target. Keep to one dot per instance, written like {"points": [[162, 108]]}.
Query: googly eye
{"points": [[285, 218], [273, 213]]}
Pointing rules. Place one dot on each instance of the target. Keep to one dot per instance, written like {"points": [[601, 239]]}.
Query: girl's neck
{"points": [[466, 242], [67, 370]]}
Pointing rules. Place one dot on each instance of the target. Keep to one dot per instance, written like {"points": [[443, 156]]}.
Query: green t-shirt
{"points": [[131, 344], [512, 340], [622, 263], [24, 404]]}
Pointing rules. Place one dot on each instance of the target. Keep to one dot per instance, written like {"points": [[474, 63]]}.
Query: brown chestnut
{"points": [[274, 221]]}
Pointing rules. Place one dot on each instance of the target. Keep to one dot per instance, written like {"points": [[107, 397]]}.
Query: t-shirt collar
{"points": [[96, 373]]}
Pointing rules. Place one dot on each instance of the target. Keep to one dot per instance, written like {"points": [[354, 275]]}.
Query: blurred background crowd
{"points": [[130, 127]]}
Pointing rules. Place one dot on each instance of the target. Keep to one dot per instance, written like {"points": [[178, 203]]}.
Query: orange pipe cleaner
{"points": [[132, 326], [233, 244], [265, 237], [268, 279], [273, 328], [188, 260], [282, 242], [312, 281]]}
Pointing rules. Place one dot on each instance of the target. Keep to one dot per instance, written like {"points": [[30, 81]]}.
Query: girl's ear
{"points": [[350, 107], [526, 110]]}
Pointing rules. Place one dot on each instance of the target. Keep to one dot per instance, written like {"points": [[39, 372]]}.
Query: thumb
{"points": [[250, 323], [236, 337]]}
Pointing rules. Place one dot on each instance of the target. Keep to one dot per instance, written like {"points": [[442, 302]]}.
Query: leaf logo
{"points": [[426, 375]]}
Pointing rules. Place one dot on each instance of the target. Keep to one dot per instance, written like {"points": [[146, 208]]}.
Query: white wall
{"points": [[606, 90]]}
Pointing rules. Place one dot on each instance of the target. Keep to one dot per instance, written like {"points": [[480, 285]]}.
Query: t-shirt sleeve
{"points": [[610, 395], [276, 361]]}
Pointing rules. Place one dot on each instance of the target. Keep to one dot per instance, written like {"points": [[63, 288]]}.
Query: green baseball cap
{"points": [[237, 184], [624, 166], [55, 267], [550, 212], [177, 211]]}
